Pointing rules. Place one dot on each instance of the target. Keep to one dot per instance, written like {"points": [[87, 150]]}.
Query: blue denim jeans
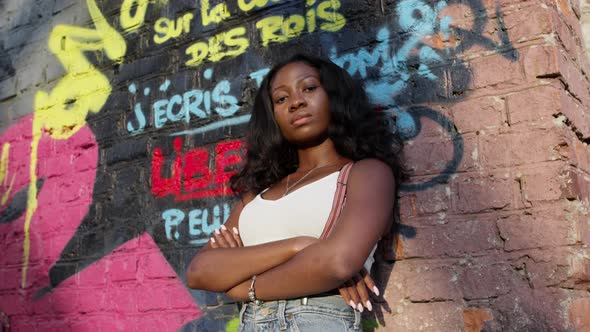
{"points": [[325, 314]]}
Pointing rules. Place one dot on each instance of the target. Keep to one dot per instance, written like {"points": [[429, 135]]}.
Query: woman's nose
{"points": [[297, 102]]}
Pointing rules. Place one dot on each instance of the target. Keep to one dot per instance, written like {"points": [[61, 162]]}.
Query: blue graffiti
{"points": [[397, 66], [417, 20], [194, 103]]}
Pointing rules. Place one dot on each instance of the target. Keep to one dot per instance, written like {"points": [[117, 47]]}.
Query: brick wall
{"points": [[122, 121]]}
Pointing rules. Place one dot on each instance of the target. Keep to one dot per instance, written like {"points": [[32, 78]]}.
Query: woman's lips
{"points": [[301, 120]]}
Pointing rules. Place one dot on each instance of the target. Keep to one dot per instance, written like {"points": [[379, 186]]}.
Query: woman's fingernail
{"points": [[360, 307], [217, 232], [369, 306], [235, 230], [352, 304], [223, 227], [212, 240], [376, 290]]}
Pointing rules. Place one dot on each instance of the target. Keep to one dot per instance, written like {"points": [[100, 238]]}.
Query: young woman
{"points": [[308, 121]]}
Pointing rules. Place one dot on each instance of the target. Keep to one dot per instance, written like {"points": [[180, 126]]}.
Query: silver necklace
{"points": [[288, 187]]}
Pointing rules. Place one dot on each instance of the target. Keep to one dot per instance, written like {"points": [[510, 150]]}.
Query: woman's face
{"points": [[301, 105]]}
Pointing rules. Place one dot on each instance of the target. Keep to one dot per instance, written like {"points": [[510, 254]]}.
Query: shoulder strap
{"points": [[339, 198]]}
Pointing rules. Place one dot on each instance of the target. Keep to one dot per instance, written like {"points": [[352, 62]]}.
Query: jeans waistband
{"points": [[278, 309]]}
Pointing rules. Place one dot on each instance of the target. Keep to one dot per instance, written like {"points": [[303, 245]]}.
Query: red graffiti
{"points": [[192, 176]]}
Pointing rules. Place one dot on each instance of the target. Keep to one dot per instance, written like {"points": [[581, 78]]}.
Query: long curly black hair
{"points": [[358, 131]]}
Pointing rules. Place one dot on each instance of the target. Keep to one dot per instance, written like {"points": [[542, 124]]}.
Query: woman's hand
{"points": [[223, 238], [355, 292]]}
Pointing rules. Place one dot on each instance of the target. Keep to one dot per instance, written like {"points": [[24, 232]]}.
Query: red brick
{"points": [[474, 319], [512, 149], [540, 61], [426, 156], [527, 23], [536, 231], [497, 71], [576, 185], [471, 160], [407, 206], [420, 282], [580, 267], [538, 104], [478, 114], [485, 281], [575, 114], [563, 26], [454, 239], [578, 314], [576, 83], [526, 309], [481, 194], [545, 183], [425, 317], [580, 154], [433, 200]]}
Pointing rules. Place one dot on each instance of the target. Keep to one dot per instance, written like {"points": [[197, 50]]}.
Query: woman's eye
{"points": [[310, 88], [280, 100]]}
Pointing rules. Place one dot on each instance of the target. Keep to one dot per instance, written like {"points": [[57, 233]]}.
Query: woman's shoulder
{"points": [[371, 166], [246, 198], [371, 172]]}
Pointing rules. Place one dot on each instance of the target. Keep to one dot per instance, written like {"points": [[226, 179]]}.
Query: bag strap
{"points": [[338, 202]]}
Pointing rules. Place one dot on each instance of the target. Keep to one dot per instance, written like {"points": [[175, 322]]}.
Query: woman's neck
{"points": [[320, 155]]}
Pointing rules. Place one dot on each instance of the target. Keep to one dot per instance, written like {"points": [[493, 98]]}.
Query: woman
{"points": [[309, 120]]}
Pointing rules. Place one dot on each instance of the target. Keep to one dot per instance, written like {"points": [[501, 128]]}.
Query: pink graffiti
{"points": [[114, 293]]}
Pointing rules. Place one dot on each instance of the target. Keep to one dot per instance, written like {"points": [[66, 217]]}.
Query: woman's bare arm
{"points": [[327, 264], [223, 268]]}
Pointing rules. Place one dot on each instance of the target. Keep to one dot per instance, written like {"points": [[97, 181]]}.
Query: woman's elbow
{"points": [[193, 279], [343, 268], [195, 275]]}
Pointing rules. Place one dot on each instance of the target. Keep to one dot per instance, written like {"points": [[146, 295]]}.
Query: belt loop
{"points": [[357, 320], [281, 315], [242, 311]]}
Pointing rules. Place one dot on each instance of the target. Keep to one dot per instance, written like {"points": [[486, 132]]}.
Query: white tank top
{"points": [[303, 212]]}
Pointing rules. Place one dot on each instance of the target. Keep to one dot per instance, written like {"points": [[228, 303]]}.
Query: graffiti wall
{"points": [[122, 122]]}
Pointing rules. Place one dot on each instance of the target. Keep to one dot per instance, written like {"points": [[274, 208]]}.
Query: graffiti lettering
{"points": [[215, 15], [279, 29], [181, 107], [225, 44], [247, 6], [201, 223], [167, 29], [191, 176], [129, 22]]}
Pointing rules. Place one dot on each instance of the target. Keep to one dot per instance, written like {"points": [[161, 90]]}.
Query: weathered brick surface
{"points": [[491, 98]]}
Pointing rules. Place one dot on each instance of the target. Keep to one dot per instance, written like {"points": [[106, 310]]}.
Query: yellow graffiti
{"points": [[279, 29], [167, 29], [4, 173], [131, 23], [328, 11], [225, 44], [215, 15], [62, 112], [246, 5]]}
